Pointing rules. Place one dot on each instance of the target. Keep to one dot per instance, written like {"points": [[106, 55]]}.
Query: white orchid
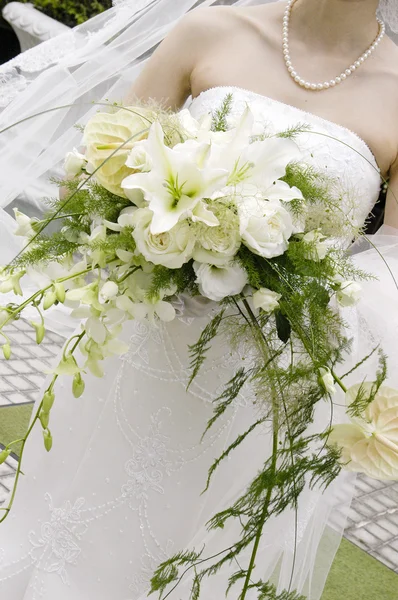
{"points": [[369, 444], [24, 224], [10, 282], [179, 179]]}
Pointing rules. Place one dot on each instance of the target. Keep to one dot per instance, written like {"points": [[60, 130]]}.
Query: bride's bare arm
{"points": [[391, 214], [166, 77]]}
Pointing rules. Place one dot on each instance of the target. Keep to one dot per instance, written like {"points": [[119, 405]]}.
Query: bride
{"points": [[120, 491]]}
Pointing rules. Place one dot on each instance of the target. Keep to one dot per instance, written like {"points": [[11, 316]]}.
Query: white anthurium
{"points": [[369, 444], [179, 179], [24, 224], [266, 299], [317, 247], [104, 133], [348, 293], [74, 163], [218, 282], [265, 227], [171, 248]]}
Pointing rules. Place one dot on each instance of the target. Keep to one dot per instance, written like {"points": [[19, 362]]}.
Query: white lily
{"points": [[179, 180]]}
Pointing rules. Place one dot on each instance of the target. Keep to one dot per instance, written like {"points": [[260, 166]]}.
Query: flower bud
{"points": [[59, 289], [44, 418], [327, 380], [4, 455], [78, 385], [40, 331], [49, 299], [48, 401], [48, 440], [7, 351]]}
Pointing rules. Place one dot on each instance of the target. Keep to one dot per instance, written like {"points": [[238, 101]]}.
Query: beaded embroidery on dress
{"points": [[121, 489]]}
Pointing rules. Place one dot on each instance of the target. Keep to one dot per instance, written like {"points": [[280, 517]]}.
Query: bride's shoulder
{"points": [[225, 19]]}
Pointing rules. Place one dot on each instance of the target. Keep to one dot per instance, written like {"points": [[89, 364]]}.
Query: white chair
{"points": [[31, 25]]}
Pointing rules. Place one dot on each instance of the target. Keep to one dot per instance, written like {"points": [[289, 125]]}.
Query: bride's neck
{"points": [[342, 24]]}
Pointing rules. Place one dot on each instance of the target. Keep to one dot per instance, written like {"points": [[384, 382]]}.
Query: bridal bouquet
{"points": [[158, 205]]}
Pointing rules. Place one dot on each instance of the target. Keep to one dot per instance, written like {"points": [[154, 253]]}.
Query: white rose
{"points": [[265, 227], [317, 247], [266, 299], [217, 245], [217, 283], [171, 248], [139, 159], [327, 380], [369, 444], [349, 293], [74, 163]]}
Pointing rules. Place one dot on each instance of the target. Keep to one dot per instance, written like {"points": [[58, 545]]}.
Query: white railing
{"points": [[31, 25]]}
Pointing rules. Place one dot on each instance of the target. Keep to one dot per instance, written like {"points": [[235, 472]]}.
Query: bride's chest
{"points": [[367, 108]]}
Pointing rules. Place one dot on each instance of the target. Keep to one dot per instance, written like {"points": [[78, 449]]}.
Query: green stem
{"points": [[275, 435], [264, 513], [32, 298], [23, 441]]}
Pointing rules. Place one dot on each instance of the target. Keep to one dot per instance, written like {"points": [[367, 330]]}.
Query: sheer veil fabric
{"points": [[98, 61]]}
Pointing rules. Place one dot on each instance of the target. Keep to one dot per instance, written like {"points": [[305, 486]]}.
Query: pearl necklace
{"points": [[333, 82]]}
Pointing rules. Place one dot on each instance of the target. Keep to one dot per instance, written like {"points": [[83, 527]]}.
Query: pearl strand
{"points": [[333, 82]]}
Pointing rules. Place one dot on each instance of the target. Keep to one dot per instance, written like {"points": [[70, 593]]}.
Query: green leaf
{"points": [[283, 327]]}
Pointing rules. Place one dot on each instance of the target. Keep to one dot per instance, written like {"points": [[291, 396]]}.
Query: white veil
{"points": [[95, 61]]}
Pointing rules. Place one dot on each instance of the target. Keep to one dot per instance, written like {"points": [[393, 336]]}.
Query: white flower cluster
{"points": [[202, 198]]}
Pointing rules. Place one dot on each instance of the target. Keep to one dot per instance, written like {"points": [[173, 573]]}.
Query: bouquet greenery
{"points": [[157, 205]]}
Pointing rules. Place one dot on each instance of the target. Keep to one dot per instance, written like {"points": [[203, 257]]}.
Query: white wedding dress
{"points": [[121, 489]]}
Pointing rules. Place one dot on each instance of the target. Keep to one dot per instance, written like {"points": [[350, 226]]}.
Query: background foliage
{"points": [[70, 12]]}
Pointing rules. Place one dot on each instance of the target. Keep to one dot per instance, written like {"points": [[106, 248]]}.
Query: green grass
{"points": [[14, 421], [354, 575], [357, 576]]}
